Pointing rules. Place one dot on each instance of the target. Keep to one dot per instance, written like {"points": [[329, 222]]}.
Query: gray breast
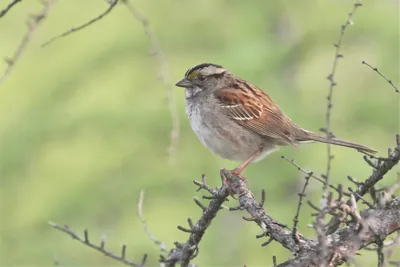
{"points": [[219, 134]]}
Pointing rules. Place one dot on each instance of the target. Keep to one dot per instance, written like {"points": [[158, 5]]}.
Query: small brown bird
{"points": [[238, 121]]}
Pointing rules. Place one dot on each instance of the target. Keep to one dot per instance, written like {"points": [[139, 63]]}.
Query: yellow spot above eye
{"points": [[193, 74]]}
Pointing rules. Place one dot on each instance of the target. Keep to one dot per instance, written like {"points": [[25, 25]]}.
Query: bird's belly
{"points": [[228, 139]]}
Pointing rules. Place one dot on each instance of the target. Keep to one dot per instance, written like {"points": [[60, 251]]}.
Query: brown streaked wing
{"points": [[254, 110]]}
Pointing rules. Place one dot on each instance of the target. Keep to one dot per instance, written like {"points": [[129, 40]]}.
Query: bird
{"points": [[238, 121]]}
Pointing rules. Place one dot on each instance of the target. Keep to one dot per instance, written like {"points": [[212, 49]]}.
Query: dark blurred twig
{"points": [[85, 240], [112, 4], [34, 22], [165, 77], [160, 244], [8, 7], [383, 76]]}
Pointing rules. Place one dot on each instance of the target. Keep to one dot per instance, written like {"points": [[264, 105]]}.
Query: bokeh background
{"points": [[85, 123]]}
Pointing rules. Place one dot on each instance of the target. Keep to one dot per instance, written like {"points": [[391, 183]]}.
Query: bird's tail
{"points": [[305, 136]]}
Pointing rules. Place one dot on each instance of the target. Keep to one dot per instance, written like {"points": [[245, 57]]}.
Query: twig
{"points": [[263, 197], [319, 224], [301, 196], [291, 161], [354, 211], [160, 244], [165, 77], [371, 156], [383, 76], [112, 4], [331, 78], [32, 26], [100, 248], [203, 185], [345, 243], [274, 260], [8, 7], [378, 174], [198, 203], [364, 201]]}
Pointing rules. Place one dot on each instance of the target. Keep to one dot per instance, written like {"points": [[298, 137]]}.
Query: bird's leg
{"points": [[238, 170]]}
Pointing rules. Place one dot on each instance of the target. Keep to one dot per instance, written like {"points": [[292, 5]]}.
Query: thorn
{"points": [[123, 251], [313, 206], [183, 229], [261, 235], [178, 245], [86, 236], [9, 61], [249, 219], [267, 242], [236, 208], [196, 200], [190, 222], [143, 260], [263, 196], [274, 260], [102, 241]]}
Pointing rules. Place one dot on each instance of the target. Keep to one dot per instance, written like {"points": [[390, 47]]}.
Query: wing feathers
{"points": [[255, 111]]}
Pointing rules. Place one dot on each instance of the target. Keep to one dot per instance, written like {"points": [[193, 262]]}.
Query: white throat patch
{"points": [[191, 92]]}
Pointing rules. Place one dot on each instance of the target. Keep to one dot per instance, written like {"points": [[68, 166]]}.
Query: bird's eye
{"points": [[202, 78]]}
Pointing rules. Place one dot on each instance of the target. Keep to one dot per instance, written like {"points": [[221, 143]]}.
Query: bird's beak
{"points": [[184, 83]]}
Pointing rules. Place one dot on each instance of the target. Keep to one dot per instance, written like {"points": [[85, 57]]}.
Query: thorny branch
{"points": [[112, 4], [345, 242], [34, 22], [383, 76], [367, 226], [85, 240], [331, 78], [8, 7], [301, 196], [319, 222], [376, 176], [185, 252], [270, 227], [319, 179], [340, 246]]}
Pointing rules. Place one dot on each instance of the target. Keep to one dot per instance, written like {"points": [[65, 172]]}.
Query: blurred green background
{"points": [[85, 124]]}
